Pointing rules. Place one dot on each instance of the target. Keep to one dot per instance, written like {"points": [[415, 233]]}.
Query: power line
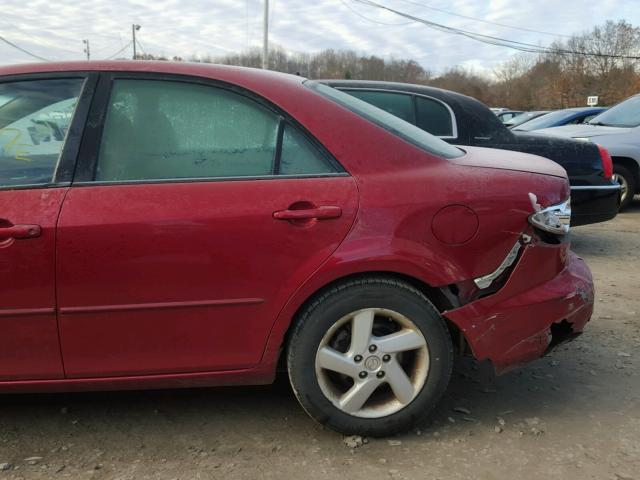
{"points": [[502, 42], [141, 46], [11, 44], [488, 22], [353, 10], [120, 51]]}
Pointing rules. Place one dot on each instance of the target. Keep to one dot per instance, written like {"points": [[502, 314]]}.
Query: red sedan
{"points": [[173, 225]]}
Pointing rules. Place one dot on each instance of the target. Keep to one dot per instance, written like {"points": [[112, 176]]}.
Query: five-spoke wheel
{"points": [[370, 356], [383, 369]]}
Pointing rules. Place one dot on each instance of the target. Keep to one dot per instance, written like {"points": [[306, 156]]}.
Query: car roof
{"points": [[274, 86], [206, 70], [582, 109], [304, 105], [398, 86]]}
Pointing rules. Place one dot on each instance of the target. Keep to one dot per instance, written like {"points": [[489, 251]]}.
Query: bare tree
{"points": [[560, 78]]}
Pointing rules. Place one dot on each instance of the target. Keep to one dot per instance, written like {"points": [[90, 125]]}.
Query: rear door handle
{"points": [[309, 213], [18, 232]]}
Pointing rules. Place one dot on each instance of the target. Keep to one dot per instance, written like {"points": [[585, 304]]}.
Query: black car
{"points": [[462, 120]]}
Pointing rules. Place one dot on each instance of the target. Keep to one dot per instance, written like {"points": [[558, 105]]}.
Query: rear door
{"points": [[40, 123], [197, 214]]}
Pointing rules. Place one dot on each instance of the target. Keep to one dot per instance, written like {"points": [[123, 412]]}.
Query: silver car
{"points": [[618, 130]]}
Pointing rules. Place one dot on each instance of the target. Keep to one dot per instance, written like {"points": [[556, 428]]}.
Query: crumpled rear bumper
{"points": [[549, 294]]}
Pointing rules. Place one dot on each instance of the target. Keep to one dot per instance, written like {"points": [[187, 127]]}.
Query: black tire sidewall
{"points": [[623, 171], [312, 328]]}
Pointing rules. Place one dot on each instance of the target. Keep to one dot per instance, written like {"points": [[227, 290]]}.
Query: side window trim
{"points": [[70, 153], [90, 143], [277, 155], [64, 169], [91, 140], [454, 121]]}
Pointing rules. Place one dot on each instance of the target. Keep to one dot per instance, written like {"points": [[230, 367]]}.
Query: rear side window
{"points": [[434, 117], [299, 156], [397, 104], [158, 130], [35, 116]]}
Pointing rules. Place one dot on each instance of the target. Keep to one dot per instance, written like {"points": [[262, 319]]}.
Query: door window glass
{"points": [[158, 130], [299, 156], [35, 116], [171, 130]]}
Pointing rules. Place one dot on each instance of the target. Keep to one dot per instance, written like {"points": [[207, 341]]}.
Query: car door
{"points": [[197, 211], [40, 122]]}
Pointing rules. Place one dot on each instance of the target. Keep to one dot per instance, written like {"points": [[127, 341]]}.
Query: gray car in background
{"points": [[618, 130], [524, 117], [506, 115]]}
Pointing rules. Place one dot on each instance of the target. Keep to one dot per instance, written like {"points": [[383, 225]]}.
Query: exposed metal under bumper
{"points": [[486, 280]]}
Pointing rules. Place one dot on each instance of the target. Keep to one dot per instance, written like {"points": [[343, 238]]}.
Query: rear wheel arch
{"points": [[391, 297], [630, 163], [626, 171], [437, 296]]}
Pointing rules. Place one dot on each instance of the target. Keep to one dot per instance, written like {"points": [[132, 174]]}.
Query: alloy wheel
{"points": [[372, 363], [624, 186]]}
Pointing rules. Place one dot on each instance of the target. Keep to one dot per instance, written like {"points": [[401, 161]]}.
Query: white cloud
{"points": [[55, 29]]}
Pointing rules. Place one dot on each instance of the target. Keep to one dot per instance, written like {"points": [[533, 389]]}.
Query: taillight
{"points": [[554, 219], [607, 164]]}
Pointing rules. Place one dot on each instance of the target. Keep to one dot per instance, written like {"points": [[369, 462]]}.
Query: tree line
{"points": [[562, 77]]}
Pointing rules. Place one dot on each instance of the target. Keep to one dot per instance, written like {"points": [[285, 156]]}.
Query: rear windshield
{"points": [[546, 120], [391, 123]]}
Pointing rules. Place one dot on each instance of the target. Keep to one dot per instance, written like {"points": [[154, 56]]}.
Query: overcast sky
{"points": [[54, 29]]}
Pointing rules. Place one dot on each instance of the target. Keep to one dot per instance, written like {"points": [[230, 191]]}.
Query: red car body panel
{"points": [[30, 347], [513, 326], [187, 272], [196, 283]]}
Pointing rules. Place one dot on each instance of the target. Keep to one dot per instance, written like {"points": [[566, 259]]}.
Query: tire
{"points": [[422, 349], [627, 179]]}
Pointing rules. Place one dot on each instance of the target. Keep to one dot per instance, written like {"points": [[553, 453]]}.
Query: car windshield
{"points": [[391, 123], [523, 117], [546, 120], [625, 115]]}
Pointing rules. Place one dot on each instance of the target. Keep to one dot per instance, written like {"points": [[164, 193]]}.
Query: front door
{"points": [[35, 116], [204, 212]]}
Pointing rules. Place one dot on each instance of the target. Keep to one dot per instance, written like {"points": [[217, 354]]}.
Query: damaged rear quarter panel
{"points": [[511, 327]]}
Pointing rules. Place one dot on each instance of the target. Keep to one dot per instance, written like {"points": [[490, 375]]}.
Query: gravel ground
{"points": [[572, 415]]}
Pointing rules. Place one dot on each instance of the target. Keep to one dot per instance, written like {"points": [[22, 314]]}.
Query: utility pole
{"points": [[87, 50], [134, 29], [265, 36]]}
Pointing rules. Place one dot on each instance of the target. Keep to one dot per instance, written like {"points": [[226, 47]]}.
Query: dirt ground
{"points": [[572, 415]]}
